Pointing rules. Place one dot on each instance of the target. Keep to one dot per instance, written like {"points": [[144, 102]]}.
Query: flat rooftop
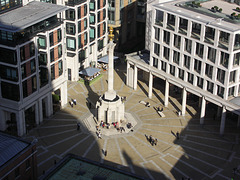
{"points": [[75, 167], [10, 147], [204, 14], [28, 15]]}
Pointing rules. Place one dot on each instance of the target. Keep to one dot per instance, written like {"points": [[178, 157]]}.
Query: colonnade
{"points": [[221, 110]]}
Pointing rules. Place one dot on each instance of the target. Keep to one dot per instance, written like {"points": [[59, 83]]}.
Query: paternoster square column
{"points": [[110, 94]]}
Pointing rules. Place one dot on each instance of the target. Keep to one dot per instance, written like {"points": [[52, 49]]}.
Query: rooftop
{"points": [[204, 14], [10, 146], [28, 15], [75, 167]]}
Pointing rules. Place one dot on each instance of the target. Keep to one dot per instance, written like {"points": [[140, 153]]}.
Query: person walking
{"points": [[105, 153], [78, 126], [177, 134]]}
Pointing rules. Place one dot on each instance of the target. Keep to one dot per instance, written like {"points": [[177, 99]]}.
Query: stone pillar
{"points": [[184, 100], [110, 66], [238, 123], [166, 93], [150, 85], [127, 80], [64, 94], [223, 118], [49, 105], [37, 121], [40, 111], [135, 78], [203, 108], [21, 127]]}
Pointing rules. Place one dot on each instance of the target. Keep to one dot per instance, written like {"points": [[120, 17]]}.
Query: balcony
{"points": [[74, 2]]}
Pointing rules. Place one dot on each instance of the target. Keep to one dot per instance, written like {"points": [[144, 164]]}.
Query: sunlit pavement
{"points": [[200, 153]]}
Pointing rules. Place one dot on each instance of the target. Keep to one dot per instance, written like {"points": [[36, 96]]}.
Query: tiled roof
{"points": [[10, 146]]}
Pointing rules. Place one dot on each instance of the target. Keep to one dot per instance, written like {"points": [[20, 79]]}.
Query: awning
{"points": [[89, 71], [104, 59]]}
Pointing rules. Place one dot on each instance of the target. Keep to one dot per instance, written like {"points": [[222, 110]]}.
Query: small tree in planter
{"points": [[233, 15], [238, 9], [238, 16], [216, 7], [220, 10]]}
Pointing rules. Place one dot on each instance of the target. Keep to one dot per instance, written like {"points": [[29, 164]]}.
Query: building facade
{"points": [[18, 158], [195, 49], [33, 65]]}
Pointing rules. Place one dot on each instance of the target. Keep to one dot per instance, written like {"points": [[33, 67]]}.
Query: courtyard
{"points": [[199, 153]]}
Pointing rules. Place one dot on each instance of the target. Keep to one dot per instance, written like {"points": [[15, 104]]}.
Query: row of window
{"points": [[54, 38], [199, 51], [199, 81], [196, 28]]}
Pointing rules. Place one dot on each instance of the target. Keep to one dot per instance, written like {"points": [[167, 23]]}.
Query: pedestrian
{"points": [[71, 103], [150, 139], [75, 101], [156, 141], [105, 153], [177, 134], [78, 126]]}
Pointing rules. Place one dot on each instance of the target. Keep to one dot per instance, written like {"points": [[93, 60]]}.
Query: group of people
{"points": [[73, 102], [153, 141]]}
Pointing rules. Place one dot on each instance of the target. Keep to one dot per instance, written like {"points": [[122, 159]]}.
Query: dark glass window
{"points": [[51, 38], [43, 76], [8, 73], [100, 44], [60, 67], [71, 44], [82, 55], [10, 91], [59, 34], [70, 14], [42, 59], [70, 28], [8, 56], [53, 72], [52, 55], [42, 42]]}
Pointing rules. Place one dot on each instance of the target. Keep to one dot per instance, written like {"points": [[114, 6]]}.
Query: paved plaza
{"points": [[199, 153]]}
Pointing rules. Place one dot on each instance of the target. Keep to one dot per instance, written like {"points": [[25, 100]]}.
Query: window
{"points": [[10, 91], [177, 41], [52, 55], [181, 74], [166, 37], [33, 65], [8, 56], [237, 42], [188, 45], [80, 45], [164, 66], [155, 62], [92, 19], [53, 72], [156, 48], [92, 34], [176, 57], [209, 70], [157, 33], [209, 35], [231, 91], [70, 28], [232, 77], [79, 26], [112, 3], [171, 22], [111, 16], [70, 14], [159, 18], [187, 60], [199, 50], [23, 70], [85, 9], [60, 67], [197, 65], [60, 51], [8, 73], [34, 84], [236, 59], [22, 53], [200, 82], [183, 25], [210, 86], [42, 59], [98, 17], [190, 78], [43, 76], [196, 30], [82, 55], [224, 59], [100, 44], [172, 70], [42, 42], [32, 49], [166, 52], [220, 75], [223, 40], [59, 35], [121, 4], [98, 31], [85, 24], [211, 54], [220, 91], [92, 5], [71, 44], [85, 38], [51, 38], [104, 14]]}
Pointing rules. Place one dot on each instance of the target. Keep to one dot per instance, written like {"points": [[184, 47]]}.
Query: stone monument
{"points": [[110, 107]]}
